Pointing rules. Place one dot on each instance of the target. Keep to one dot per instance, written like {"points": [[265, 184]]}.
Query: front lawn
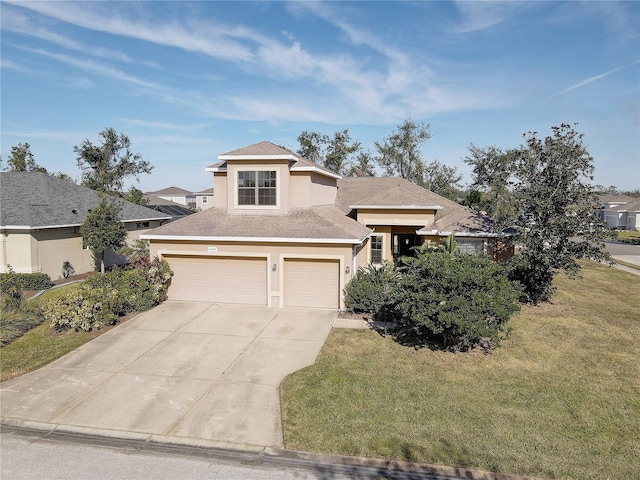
{"points": [[560, 398], [40, 345]]}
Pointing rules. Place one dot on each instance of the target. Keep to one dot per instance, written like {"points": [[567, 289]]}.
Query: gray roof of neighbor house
{"points": [[37, 200], [171, 191], [316, 223], [392, 191], [632, 206], [614, 198], [206, 191]]}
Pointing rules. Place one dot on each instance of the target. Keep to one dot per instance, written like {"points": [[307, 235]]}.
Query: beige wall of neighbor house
{"points": [[45, 250], [273, 254], [204, 201]]}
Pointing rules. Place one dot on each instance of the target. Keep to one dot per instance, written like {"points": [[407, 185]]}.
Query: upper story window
{"points": [[205, 199], [376, 249], [257, 187]]}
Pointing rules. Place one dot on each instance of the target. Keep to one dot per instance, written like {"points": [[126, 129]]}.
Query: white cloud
{"points": [[589, 80], [481, 15]]}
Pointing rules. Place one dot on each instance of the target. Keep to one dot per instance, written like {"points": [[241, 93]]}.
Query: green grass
{"points": [[560, 398], [40, 345], [628, 236]]}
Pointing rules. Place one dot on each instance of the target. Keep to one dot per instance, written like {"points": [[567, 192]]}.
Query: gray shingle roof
{"points": [[322, 223], [260, 148], [37, 200], [632, 206], [171, 191], [392, 191]]}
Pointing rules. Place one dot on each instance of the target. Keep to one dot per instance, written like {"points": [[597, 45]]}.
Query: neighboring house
{"points": [[176, 195], [204, 199], [620, 211], [172, 209], [40, 219], [285, 232]]}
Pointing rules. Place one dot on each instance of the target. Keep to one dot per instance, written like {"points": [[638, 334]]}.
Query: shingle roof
{"points": [[171, 191], [392, 191], [261, 148], [38, 200], [321, 223], [386, 191], [632, 206], [614, 198]]}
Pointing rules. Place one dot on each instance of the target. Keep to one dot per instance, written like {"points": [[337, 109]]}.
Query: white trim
{"points": [[259, 157], [397, 207], [460, 234], [316, 170], [195, 238], [45, 227], [215, 169]]}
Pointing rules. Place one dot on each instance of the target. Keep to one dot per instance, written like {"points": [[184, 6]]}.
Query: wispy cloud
{"points": [[162, 125], [480, 15], [14, 21], [93, 67], [11, 65], [589, 80]]}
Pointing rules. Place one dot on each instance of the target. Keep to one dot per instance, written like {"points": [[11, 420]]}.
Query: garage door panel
{"points": [[311, 283], [218, 279]]}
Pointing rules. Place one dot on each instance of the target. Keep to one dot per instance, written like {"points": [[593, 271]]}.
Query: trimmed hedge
{"points": [[25, 281]]}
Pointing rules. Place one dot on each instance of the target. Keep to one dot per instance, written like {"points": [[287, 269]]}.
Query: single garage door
{"points": [[311, 283], [218, 279]]}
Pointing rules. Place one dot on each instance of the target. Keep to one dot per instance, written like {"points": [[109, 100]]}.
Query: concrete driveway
{"points": [[182, 372]]}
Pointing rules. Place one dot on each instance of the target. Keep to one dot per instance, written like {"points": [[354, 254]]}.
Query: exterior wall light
{"points": [[274, 267], [348, 269]]}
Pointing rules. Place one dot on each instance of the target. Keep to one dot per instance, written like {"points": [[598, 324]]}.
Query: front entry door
{"points": [[406, 242]]}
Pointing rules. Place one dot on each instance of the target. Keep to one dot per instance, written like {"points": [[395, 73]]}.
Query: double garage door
{"points": [[243, 280]]}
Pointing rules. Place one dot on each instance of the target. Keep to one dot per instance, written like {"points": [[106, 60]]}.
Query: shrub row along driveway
{"points": [[179, 371]]}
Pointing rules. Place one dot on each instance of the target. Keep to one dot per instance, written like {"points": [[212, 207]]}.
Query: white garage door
{"points": [[311, 283], [218, 279]]}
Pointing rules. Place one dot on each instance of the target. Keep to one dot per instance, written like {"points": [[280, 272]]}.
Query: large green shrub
{"points": [[102, 299], [371, 287], [25, 281], [458, 301]]}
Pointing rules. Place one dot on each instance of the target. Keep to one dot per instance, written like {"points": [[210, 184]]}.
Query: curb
{"points": [[250, 454]]}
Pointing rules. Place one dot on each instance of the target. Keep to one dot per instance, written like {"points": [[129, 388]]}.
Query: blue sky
{"points": [[189, 81]]}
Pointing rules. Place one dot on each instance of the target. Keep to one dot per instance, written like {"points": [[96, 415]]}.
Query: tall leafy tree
{"points": [[135, 195], [548, 183], [362, 166], [442, 179], [335, 153], [103, 229], [22, 160], [400, 154], [106, 166]]}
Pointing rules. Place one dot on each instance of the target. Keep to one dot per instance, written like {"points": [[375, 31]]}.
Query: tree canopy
{"points": [[103, 229], [542, 189], [335, 153], [399, 154], [22, 160], [106, 166]]}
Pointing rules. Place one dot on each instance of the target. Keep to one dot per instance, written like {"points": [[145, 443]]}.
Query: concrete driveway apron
{"points": [[182, 372]]}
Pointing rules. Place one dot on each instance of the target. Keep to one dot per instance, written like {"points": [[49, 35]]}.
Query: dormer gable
{"points": [[267, 179]]}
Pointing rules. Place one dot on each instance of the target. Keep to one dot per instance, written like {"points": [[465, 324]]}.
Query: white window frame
{"points": [[256, 206], [381, 249]]}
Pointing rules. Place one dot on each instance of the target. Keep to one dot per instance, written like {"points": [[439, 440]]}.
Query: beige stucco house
{"points": [[40, 219], [621, 212], [285, 232]]}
